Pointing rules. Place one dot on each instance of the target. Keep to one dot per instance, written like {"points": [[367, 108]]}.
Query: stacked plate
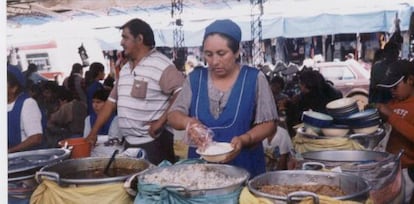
{"points": [[342, 108], [366, 121]]}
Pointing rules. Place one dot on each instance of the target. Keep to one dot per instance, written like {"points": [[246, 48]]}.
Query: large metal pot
{"points": [[381, 169], [22, 167], [228, 170], [355, 188], [90, 171]]}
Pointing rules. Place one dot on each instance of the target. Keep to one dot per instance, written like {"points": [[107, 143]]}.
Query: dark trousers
{"points": [[161, 148]]}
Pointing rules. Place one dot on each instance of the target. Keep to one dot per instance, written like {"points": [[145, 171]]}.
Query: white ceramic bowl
{"points": [[216, 152], [341, 103], [311, 130], [367, 130], [335, 131]]}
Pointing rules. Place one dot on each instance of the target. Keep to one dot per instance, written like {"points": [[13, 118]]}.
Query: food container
{"points": [[238, 174], [216, 152], [22, 167], [81, 147], [381, 169], [90, 171], [354, 187]]}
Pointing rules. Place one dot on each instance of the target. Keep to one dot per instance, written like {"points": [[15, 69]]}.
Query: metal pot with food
{"points": [[191, 180], [22, 167], [295, 185], [381, 169], [92, 170]]}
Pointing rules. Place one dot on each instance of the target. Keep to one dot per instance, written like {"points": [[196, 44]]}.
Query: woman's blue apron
{"points": [[105, 128], [14, 133], [236, 119], [13, 121]]}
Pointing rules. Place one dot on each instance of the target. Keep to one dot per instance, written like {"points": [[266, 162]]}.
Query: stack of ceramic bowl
{"points": [[365, 122], [342, 108], [314, 121], [335, 130]]}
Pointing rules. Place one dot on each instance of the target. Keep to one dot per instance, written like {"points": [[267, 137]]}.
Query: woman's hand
{"points": [[198, 134], [237, 145]]}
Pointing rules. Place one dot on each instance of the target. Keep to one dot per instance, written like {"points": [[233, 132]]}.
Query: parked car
{"points": [[350, 77]]}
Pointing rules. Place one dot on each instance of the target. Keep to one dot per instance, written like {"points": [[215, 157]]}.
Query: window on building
{"points": [[39, 59]]}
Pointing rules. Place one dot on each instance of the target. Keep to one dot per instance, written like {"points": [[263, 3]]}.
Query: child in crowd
{"points": [[399, 113], [111, 126], [67, 121], [277, 149], [277, 84]]}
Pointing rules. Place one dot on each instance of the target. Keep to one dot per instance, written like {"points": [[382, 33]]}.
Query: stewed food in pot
{"points": [[320, 189]]}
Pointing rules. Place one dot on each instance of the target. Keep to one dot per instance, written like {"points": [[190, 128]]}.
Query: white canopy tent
{"points": [[287, 18]]}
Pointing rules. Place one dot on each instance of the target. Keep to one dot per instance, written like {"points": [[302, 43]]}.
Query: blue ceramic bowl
{"points": [[364, 115], [317, 119]]}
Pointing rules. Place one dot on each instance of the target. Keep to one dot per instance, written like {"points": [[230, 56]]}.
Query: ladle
{"points": [[110, 161]]}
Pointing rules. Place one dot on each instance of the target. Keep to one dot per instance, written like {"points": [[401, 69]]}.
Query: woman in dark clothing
{"points": [[315, 93], [76, 83]]}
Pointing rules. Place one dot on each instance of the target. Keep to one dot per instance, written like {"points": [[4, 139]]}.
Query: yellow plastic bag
{"points": [[50, 192], [304, 144], [329, 200], [247, 198]]}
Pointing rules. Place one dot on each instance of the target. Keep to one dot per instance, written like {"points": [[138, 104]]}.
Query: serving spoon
{"points": [[110, 162]]}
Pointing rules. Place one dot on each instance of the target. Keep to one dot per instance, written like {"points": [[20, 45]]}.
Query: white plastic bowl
{"points": [[216, 152]]}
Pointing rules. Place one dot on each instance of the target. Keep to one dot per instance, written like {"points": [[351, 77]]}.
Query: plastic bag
{"points": [[198, 135]]}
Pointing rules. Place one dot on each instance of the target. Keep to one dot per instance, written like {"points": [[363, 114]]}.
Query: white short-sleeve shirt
{"points": [[30, 118]]}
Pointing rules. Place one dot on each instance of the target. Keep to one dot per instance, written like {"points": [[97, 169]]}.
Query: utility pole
{"points": [[179, 54], [256, 31]]}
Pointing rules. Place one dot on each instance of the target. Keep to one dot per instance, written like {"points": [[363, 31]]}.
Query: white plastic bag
{"points": [[198, 135]]}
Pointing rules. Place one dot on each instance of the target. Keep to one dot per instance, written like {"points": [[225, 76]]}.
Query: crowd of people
{"points": [[148, 98], [48, 112]]}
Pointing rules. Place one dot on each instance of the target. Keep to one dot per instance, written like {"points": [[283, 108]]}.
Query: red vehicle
{"points": [[350, 77]]}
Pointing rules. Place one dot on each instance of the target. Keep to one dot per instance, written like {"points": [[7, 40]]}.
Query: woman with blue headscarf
{"points": [[231, 99]]}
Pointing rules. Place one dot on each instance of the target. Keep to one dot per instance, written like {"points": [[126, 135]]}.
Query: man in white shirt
{"points": [[147, 85]]}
